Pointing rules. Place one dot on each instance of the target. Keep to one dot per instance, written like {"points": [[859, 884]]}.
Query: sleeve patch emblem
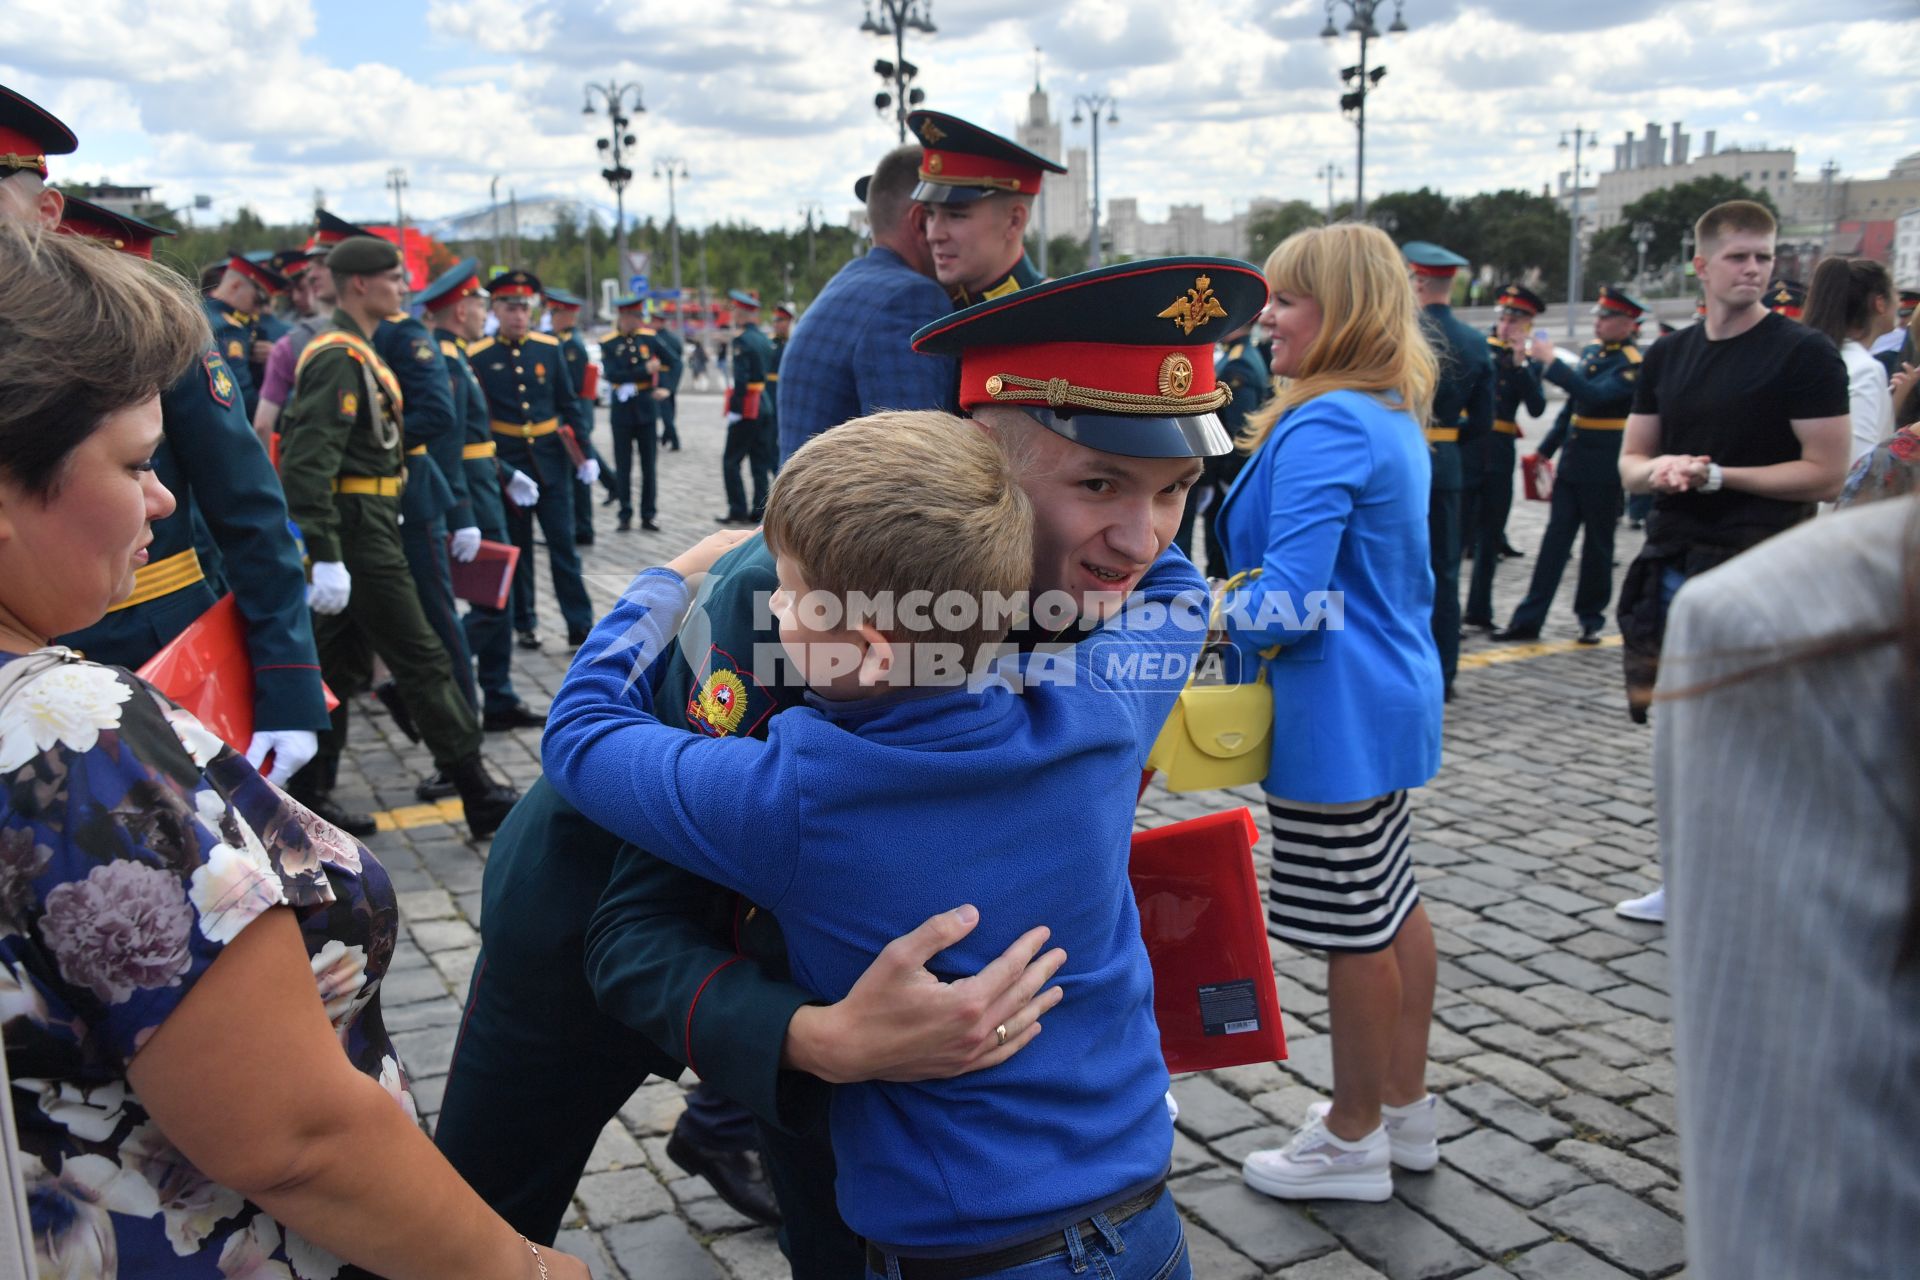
{"points": [[236, 349], [422, 350], [723, 695], [219, 381], [349, 404]]}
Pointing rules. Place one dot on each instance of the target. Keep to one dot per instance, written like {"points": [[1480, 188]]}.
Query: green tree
{"points": [[1267, 228], [1514, 234], [1412, 215], [1066, 255]]}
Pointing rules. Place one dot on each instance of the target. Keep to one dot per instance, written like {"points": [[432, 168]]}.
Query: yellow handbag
{"points": [[1218, 735]]}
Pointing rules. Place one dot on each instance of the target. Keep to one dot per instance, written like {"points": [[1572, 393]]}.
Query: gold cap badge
{"points": [[1176, 375], [1194, 310]]}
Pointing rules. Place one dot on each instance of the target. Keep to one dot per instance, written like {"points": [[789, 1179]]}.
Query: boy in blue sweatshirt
{"points": [[914, 779]]}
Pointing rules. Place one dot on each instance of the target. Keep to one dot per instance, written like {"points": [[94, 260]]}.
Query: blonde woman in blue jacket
{"points": [[1332, 510]]}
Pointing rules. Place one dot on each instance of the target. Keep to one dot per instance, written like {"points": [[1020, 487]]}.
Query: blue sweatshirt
{"points": [[854, 822]]}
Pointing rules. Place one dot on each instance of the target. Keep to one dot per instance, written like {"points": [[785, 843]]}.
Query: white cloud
{"points": [[1220, 101]]}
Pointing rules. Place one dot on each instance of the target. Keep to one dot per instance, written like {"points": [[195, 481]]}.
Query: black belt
{"points": [[1014, 1255]]}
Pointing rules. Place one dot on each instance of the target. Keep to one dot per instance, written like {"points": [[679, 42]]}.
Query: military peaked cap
{"points": [[961, 162]]}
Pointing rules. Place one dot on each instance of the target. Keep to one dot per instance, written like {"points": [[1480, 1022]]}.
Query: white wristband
{"points": [[1715, 478]]}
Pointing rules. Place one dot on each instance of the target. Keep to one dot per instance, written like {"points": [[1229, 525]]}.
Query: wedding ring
{"points": [[1000, 1033]]}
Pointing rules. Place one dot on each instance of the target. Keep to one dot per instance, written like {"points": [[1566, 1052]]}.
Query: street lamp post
{"points": [[1582, 138], [896, 16], [1363, 79], [670, 168], [1642, 238], [1330, 171], [810, 211], [396, 183], [613, 96], [1094, 104]]}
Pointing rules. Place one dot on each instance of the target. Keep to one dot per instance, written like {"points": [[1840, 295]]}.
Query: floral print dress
{"points": [[134, 846]]}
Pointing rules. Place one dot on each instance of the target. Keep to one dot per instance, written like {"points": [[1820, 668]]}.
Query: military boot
{"points": [[486, 798]]}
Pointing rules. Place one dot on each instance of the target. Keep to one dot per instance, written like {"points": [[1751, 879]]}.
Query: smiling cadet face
{"points": [[975, 244], [1100, 519]]}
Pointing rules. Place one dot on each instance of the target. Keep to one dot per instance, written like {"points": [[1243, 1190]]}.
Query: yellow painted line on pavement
{"points": [[1525, 652], [419, 815]]}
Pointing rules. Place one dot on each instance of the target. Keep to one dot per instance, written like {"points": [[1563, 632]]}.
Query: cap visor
{"points": [[941, 193], [1198, 436]]}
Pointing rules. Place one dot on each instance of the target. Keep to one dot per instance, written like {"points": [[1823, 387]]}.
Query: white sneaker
{"points": [[1652, 908], [1315, 1165], [1413, 1132]]}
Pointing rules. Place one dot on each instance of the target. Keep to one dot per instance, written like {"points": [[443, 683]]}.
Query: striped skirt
{"points": [[1342, 879]]}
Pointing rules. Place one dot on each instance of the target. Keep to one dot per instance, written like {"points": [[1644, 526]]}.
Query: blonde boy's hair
{"points": [[908, 501]]}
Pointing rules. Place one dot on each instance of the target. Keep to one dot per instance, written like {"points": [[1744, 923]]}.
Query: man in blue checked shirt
{"points": [[851, 356]]}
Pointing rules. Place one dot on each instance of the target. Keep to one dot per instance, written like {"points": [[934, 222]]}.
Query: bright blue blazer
{"points": [[1335, 501]]}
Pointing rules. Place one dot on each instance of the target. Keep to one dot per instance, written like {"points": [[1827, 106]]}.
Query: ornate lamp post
{"points": [[1094, 104], [1642, 238], [896, 17], [614, 96], [1363, 79]]}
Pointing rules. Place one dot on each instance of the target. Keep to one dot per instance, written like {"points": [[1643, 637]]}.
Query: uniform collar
{"points": [[343, 321], [1020, 276]]}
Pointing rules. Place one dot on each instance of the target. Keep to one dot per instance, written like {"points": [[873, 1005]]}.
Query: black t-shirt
{"points": [[1734, 401]]}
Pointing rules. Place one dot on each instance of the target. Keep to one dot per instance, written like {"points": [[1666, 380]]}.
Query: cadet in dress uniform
{"points": [[708, 976], [750, 355], [342, 467], [456, 306], [769, 443], [28, 135], [563, 311], [1586, 490], [631, 358], [211, 462], [1517, 384], [529, 394], [673, 362], [1462, 413], [963, 165], [1241, 369], [1787, 298], [234, 308], [435, 500]]}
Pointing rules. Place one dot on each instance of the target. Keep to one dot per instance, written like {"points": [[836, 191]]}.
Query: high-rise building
{"points": [[1063, 208]]}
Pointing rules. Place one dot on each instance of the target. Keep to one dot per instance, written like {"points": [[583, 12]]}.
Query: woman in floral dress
{"points": [[190, 962]]}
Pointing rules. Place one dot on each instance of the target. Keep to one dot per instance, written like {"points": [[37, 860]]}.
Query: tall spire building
{"points": [[1061, 208]]}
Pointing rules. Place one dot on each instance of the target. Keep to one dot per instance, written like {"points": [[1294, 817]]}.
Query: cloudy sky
{"points": [[770, 101]]}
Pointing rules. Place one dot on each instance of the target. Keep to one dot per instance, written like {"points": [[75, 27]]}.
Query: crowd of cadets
{"points": [[492, 423]]}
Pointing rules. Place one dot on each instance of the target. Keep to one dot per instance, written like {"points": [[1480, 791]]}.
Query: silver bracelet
{"points": [[538, 1261]]}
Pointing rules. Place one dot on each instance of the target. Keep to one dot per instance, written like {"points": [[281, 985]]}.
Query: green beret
{"points": [[363, 256]]}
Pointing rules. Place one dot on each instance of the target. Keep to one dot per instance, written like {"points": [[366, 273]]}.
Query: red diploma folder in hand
{"points": [[1206, 933], [1536, 473], [487, 577], [207, 670]]}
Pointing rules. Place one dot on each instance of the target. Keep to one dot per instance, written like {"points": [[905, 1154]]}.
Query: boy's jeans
{"points": [[1151, 1245]]}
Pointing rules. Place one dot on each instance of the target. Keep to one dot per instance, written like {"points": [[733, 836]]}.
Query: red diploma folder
{"points": [[1205, 928], [1536, 473], [487, 577], [207, 670]]}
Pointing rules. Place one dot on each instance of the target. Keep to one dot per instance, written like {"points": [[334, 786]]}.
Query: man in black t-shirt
{"points": [[1739, 426]]}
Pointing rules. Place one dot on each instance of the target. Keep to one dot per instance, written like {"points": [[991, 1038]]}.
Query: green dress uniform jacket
{"points": [[234, 333], [479, 465], [1489, 492], [529, 394], [1462, 413], [1020, 276], [703, 982], [212, 463], [341, 467], [1587, 496]]}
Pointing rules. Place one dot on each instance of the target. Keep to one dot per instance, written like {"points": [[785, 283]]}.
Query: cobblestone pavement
{"points": [[1552, 1050]]}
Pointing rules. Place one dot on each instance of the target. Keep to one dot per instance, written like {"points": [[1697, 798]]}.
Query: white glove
{"points": [[588, 471], [522, 491], [330, 588], [464, 544], [733, 418], [290, 749], [626, 391]]}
